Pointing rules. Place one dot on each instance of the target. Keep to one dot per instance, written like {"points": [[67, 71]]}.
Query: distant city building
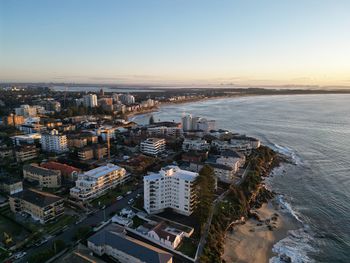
{"points": [[187, 122], [190, 123], [96, 182], [26, 139], [127, 99], [195, 145], [172, 188], [90, 100], [14, 120], [54, 142], [152, 146], [42, 206], [126, 249], [164, 131], [97, 152], [42, 176], [26, 111]]}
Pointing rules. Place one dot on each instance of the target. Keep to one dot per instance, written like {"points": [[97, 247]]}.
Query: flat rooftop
{"points": [[102, 170]]}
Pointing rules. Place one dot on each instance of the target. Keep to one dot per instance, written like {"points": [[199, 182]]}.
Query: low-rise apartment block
{"points": [[93, 152], [68, 172], [195, 145], [26, 153], [163, 131], [44, 177], [10, 185], [96, 182], [172, 188], [152, 146], [42, 206]]}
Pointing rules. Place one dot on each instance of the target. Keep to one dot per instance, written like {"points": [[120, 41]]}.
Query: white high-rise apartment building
{"points": [[90, 100], [54, 142], [127, 99], [187, 122], [190, 123], [96, 182], [152, 146], [172, 188]]}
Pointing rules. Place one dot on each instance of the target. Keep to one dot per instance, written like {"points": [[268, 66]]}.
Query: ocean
{"points": [[314, 130]]}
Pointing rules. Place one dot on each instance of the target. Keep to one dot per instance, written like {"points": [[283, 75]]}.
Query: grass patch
{"points": [[188, 247]]}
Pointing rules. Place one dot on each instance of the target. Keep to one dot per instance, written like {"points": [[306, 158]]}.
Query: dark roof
{"points": [[9, 180], [131, 246], [37, 198], [220, 166], [230, 153]]}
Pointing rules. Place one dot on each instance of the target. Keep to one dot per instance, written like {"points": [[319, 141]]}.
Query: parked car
{"points": [[20, 255], [119, 198], [131, 201], [128, 192]]}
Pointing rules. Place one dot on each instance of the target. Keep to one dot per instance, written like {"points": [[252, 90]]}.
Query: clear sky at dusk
{"points": [[176, 41]]}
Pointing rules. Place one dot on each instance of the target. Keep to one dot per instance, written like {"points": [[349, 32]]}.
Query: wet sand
{"points": [[250, 243]]}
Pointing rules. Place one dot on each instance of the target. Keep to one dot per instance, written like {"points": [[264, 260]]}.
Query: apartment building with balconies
{"points": [[42, 206], [171, 188], [98, 181], [152, 146]]}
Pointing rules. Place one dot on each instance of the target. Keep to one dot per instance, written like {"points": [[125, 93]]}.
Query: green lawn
{"points": [[188, 247]]}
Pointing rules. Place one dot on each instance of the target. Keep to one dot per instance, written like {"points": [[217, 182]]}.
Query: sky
{"points": [[194, 42]]}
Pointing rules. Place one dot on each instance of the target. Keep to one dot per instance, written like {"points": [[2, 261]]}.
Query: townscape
{"points": [[96, 186]]}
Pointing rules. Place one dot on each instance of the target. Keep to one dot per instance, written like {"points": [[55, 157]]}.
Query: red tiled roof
{"points": [[64, 168]]}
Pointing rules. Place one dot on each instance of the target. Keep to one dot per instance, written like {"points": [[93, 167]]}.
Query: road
{"points": [[94, 219]]}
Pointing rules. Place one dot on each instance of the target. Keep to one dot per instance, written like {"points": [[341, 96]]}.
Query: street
{"points": [[94, 219]]}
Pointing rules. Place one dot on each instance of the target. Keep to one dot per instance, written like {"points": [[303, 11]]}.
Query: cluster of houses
{"points": [[78, 156]]}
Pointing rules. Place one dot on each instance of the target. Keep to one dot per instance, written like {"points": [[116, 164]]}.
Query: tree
{"points": [[205, 184]]}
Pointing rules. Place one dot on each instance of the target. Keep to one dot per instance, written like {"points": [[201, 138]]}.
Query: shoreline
{"points": [[239, 95], [255, 235]]}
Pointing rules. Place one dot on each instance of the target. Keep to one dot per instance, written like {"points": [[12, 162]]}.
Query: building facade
{"points": [[42, 206], [172, 188], [90, 100], [96, 182], [195, 145], [152, 146], [26, 153], [44, 177], [54, 142]]}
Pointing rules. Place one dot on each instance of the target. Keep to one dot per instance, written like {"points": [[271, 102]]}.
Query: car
{"points": [[131, 201], [119, 198], [128, 192], [138, 195], [20, 255]]}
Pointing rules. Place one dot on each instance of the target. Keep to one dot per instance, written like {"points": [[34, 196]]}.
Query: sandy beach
{"points": [[253, 241]]}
